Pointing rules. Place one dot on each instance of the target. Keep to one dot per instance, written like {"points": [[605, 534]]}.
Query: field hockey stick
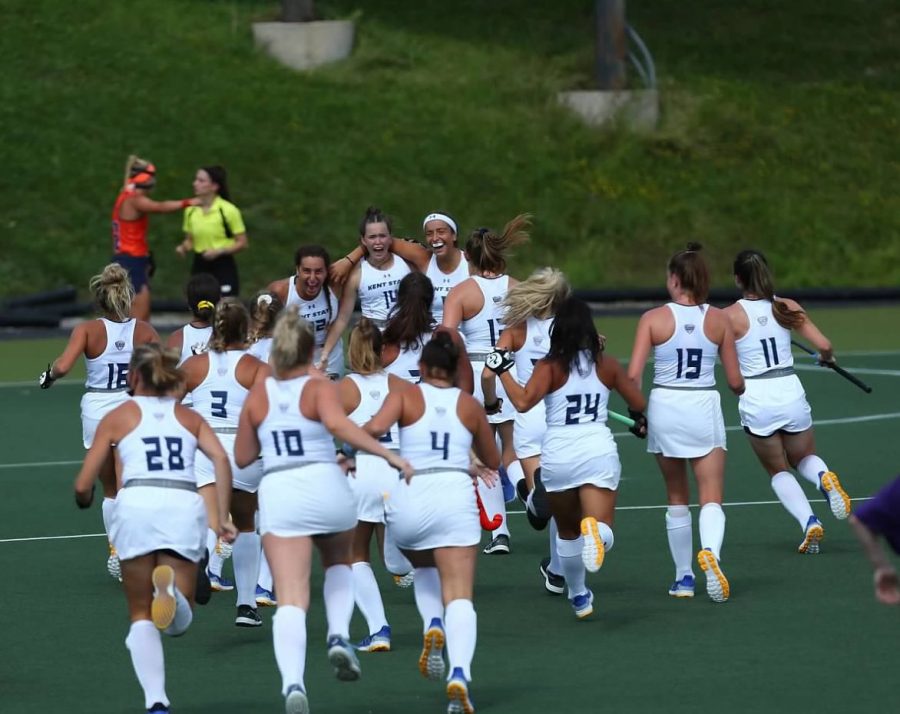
{"points": [[831, 365], [488, 524], [620, 418]]}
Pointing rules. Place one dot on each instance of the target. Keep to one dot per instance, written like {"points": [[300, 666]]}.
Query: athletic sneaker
{"points": [[158, 708], [553, 583], [224, 549], [537, 507], [265, 598], [404, 581], [583, 604], [509, 491], [683, 587], [343, 659], [458, 694], [431, 661], [717, 586], [498, 546], [522, 491], [203, 589], [113, 566], [219, 583], [295, 701], [812, 536], [247, 617], [162, 610], [836, 496], [592, 550], [377, 642]]}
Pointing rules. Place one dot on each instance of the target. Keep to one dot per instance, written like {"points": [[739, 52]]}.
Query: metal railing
{"points": [[642, 60]]}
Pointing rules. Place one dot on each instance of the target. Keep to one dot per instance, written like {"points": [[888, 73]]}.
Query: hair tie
{"points": [[264, 299], [203, 304], [440, 217]]}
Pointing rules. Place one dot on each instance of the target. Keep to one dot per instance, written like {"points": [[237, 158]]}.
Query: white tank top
{"points": [[159, 447], [438, 440], [483, 330], [219, 397], [406, 366], [536, 346], [261, 349], [581, 400], [320, 312], [108, 372], [373, 390], [378, 288], [687, 359], [286, 437], [767, 345], [443, 283], [195, 341]]}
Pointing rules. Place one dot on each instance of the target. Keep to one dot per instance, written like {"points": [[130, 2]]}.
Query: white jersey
{"points": [[373, 390], [687, 359], [219, 397], [483, 330], [581, 400], [767, 345], [287, 438], [443, 283], [159, 447], [438, 440], [261, 349], [320, 312], [108, 372], [536, 346], [195, 341], [406, 366], [378, 289]]}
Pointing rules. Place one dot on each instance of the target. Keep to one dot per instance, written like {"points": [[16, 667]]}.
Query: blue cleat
{"points": [[159, 708], [295, 701], [458, 694], [683, 587], [583, 604], [343, 659], [377, 642], [219, 583], [431, 661], [265, 598], [813, 534]]}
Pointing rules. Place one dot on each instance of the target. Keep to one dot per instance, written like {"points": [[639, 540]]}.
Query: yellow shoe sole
{"points": [[162, 611], [717, 586], [431, 661], [593, 551], [838, 499], [458, 694], [811, 541]]}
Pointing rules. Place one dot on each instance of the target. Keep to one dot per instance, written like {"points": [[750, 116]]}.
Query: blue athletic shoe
{"points": [[683, 587], [295, 701], [509, 491], [343, 659], [220, 583], [265, 598], [812, 536], [377, 642], [431, 661], [458, 694], [583, 604]]}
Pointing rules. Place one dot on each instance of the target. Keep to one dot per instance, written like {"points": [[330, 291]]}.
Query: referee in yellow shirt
{"points": [[214, 230]]}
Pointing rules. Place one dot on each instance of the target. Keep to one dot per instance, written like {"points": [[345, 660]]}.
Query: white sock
{"points": [[106, 508], [338, 591], [810, 467], [461, 624], [515, 472], [791, 495], [492, 498], [681, 539], [606, 535], [245, 557], [394, 561], [572, 564], [265, 573], [145, 644], [427, 589], [289, 637], [216, 561], [555, 563], [183, 616], [712, 528], [368, 597]]}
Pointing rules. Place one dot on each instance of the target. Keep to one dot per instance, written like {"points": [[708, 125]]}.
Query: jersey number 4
{"points": [[156, 461], [443, 447]]}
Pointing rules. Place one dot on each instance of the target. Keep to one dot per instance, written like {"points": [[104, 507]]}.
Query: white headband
{"points": [[264, 299], [440, 217]]}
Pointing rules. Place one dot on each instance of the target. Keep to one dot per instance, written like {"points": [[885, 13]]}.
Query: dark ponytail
{"points": [[752, 272], [203, 294], [441, 355], [690, 268], [573, 332]]}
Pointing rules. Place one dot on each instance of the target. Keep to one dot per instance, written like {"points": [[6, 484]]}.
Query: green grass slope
{"points": [[779, 130]]}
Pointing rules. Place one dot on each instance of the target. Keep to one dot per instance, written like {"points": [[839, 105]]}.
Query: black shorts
{"points": [[224, 269], [138, 269]]}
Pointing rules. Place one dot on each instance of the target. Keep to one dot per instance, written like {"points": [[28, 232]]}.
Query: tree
{"points": [[298, 10]]}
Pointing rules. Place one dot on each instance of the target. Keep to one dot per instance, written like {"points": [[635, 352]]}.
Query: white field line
{"points": [[36, 464]]}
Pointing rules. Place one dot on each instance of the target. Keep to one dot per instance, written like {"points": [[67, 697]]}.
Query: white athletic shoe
{"points": [[592, 551], [113, 566], [717, 586], [162, 609], [838, 500], [812, 536]]}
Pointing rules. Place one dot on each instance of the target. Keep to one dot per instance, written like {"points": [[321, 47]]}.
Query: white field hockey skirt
{"points": [[434, 510], [508, 411], [375, 478], [528, 431], [241, 479], [579, 455], [778, 404], [150, 518], [684, 423], [305, 501], [95, 406]]}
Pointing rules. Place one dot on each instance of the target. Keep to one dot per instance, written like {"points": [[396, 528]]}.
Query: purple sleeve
{"points": [[881, 514]]}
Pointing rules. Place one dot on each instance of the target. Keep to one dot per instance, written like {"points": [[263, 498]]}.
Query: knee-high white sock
{"points": [[427, 589], [555, 564], [712, 528], [106, 509], [289, 638], [184, 616], [810, 467], [681, 539], [492, 498], [145, 645], [461, 624], [394, 560], [572, 565], [606, 535], [368, 597], [338, 591], [216, 561], [791, 495], [246, 567], [515, 472], [265, 573]]}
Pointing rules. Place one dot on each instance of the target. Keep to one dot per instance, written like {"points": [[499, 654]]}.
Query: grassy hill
{"points": [[780, 125]]}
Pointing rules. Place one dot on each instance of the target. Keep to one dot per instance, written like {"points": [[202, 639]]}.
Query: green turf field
{"points": [[800, 633]]}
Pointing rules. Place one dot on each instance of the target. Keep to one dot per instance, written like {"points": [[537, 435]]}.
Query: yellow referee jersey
{"points": [[208, 228]]}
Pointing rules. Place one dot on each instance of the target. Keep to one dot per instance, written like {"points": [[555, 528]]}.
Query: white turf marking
{"points": [[33, 383], [62, 537], [36, 464]]}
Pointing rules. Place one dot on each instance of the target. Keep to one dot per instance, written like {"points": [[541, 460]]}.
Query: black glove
{"points": [[500, 361], [494, 408], [640, 424], [90, 499], [45, 380]]}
